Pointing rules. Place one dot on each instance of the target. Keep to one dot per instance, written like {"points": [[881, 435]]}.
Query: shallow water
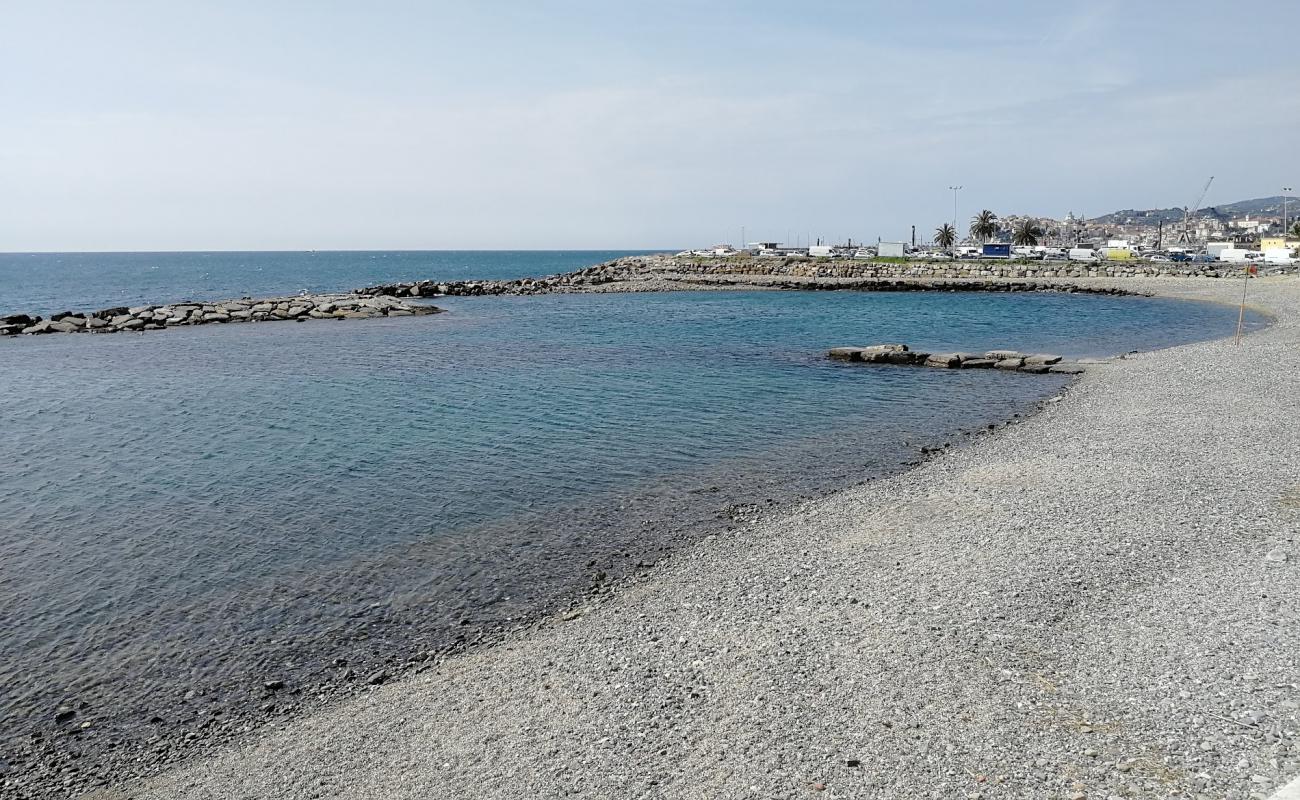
{"points": [[195, 511]]}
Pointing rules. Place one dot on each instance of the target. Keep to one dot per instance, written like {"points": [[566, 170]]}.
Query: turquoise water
{"points": [[201, 509]]}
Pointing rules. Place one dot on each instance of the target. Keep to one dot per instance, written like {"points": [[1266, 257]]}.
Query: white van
{"points": [[1082, 254], [1279, 255], [1233, 255]]}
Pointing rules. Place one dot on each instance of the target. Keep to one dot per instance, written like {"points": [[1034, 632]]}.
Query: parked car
{"points": [[1180, 258], [1203, 258], [1158, 257]]}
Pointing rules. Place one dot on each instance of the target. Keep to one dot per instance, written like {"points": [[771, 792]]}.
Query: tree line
{"points": [[985, 225]]}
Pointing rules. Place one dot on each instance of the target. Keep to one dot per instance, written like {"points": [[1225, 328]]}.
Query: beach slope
{"points": [[1102, 600]]}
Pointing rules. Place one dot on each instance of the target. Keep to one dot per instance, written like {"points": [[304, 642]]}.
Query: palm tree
{"points": [[1027, 233], [984, 225], [945, 236]]}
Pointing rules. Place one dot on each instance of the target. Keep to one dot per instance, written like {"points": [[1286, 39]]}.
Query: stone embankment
{"points": [[668, 273], [1009, 360], [276, 309], [571, 282], [803, 267]]}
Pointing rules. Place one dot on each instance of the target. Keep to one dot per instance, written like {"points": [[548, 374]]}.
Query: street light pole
{"points": [[1286, 191], [955, 190]]}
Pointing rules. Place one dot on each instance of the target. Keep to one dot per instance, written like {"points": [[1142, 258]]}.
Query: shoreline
{"points": [[460, 673]]}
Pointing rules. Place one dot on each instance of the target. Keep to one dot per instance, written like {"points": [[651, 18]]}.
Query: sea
{"points": [[203, 528]]}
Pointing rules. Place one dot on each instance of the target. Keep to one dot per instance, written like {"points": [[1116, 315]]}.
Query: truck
{"points": [[1234, 255], [1213, 249], [996, 250], [1280, 256], [1082, 254], [891, 250], [1117, 254]]}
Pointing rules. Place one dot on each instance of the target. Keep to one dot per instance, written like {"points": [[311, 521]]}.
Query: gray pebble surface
{"points": [[1101, 601]]}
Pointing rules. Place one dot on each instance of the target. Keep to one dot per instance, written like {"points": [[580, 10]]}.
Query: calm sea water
{"points": [[44, 283], [187, 514]]}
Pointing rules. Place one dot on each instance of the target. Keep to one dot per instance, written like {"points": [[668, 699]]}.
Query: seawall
{"points": [[157, 317]]}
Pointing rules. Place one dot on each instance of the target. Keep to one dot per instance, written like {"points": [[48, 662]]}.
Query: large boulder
{"points": [[845, 353], [977, 363], [1009, 363], [899, 357], [1041, 359], [944, 360]]}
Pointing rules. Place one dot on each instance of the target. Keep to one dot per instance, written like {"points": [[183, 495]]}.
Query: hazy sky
{"points": [[317, 124]]}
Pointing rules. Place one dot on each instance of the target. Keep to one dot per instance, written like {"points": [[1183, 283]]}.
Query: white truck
{"points": [[891, 249], [1280, 256], [1235, 255]]}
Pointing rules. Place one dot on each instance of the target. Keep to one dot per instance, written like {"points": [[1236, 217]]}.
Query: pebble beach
{"points": [[1099, 601]]}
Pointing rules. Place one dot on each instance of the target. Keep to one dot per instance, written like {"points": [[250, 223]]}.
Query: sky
{"points": [[587, 124]]}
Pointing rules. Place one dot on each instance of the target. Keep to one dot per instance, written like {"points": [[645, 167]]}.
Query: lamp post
{"points": [[955, 190], [1286, 191]]}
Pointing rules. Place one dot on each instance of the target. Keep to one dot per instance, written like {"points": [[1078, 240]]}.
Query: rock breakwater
{"points": [[669, 273], [582, 280], [805, 267], [158, 317], [1009, 360]]}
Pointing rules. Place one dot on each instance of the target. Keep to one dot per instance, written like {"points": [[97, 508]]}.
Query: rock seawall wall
{"points": [[665, 273], [276, 309]]}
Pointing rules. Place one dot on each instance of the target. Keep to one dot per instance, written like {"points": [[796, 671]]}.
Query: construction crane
{"points": [[1185, 235]]}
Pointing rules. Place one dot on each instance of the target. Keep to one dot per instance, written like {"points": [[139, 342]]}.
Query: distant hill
{"points": [[1266, 206]]}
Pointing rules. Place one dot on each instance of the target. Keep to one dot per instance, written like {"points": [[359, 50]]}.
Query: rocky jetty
{"points": [[275, 309], [808, 267], [582, 280], [1009, 360], [665, 272]]}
